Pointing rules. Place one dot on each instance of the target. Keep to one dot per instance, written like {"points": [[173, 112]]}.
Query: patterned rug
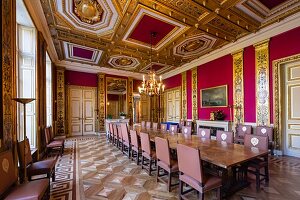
{"points": [[93, 169]]}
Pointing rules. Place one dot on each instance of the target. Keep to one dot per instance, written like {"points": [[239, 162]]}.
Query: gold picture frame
{"points": [[214, 97]]}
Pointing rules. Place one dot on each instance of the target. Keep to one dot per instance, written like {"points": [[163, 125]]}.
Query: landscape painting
{"points": [[214, 97]]}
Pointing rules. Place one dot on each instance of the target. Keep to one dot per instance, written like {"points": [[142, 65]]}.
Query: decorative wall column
{"points": [[262, 83], [101, 101], [8, 130], [238, 87], [60, 101], [184, 96], [194, 94], [130, 99]]}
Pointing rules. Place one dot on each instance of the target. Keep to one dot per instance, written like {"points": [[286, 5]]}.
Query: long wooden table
{"points": [[221, 154]]}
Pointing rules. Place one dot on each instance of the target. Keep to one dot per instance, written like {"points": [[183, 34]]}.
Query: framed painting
{"points": [[214, 97]]}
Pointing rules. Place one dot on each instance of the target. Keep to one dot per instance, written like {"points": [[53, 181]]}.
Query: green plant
{"points": [[219, 115], [109, 116], [123, 114]]}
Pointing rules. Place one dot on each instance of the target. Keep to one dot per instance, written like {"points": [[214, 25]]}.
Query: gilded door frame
{"points": [[278, 87]]}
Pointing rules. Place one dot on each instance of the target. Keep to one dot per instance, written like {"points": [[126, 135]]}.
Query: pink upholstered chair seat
{"points": [[136, 148], [33, 190], [172, 168], [41, 167], [211, 182], [152, 155], [55, 143]]}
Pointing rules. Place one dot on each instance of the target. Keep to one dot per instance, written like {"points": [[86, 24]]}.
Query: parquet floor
{"points": [[93, 169]]}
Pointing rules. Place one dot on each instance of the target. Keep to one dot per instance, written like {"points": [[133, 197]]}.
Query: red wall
{"points": [[80, 78], [174, 81], [215, 73]]}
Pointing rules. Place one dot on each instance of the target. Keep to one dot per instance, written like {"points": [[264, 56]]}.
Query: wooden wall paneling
{"points": [[194, 94], [101, 101], [130, 99]]}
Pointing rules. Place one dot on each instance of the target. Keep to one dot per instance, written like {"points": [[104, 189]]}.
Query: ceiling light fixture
{"points": [[151, 86]]}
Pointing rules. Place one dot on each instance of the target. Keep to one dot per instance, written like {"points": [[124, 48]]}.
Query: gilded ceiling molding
{"points": [[277, 98], [60, 99], [262, 83], [101, 100], [8, 111], [194, 94], [238, 86], [184, 96], [130, 99]]}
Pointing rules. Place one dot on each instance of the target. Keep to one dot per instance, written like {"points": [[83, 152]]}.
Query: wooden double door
{"points": [[81, 111]]}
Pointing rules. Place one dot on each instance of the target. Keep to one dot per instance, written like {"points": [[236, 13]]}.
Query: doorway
{"points": [[81, 110]]}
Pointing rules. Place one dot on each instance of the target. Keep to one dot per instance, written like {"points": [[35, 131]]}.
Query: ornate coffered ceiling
{"points": [[115, 34]]}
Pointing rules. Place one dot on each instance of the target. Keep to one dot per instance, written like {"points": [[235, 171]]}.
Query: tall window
{"points": [[26, 78], [49, 90]]}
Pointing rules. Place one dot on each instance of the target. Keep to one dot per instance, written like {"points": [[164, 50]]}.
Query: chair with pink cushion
{"points": [[266, 131], [189, 123], [192, 173], [9, 190], [119, 137], [147, 153], [241, 130], [53, 145], [35, 168], [187, 130], [163, 127], [148, 125], [225, 136], [173, 128], [143, 124], [115, 134], [181, 123], [256, 142], [126, 140], [136, 150], [155, 126], [164, 161], [203, 133]]}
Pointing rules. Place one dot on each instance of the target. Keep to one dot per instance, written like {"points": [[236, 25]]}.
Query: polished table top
{"points": [[221, 154]]}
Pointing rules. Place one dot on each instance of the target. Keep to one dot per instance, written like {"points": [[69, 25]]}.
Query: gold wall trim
{"points": [[184, 96], [194, 94], [278, 85], [238, 86], [60, 98], [101, 101], [262, 83], [130, 99]]}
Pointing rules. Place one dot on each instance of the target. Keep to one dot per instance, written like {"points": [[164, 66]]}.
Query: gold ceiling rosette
{"points": [[89, 11]]}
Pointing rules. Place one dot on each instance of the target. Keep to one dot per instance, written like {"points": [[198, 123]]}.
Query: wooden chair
{"points": [[187, 130], [164, 161], [115, 134], [255, 166], [163, 127], [148, 125], [143, 124], [155, 126], [119, 139], [53, 145], [189, 123], [126, 140], [110, 133], [241, 130], [266, 131], [192, 173], [225, 136], [181, 123], [136, 150], [56, 138], [35, 190], [35, 168], [203, 133], [147, 153], [173, 128]]}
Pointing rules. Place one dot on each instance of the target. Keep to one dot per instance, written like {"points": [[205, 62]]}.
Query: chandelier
{"points": [[151, 86]]}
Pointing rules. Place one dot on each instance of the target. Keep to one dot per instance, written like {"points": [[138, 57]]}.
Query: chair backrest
{"points": [[51, 133], [260, 142], [134, 138], [145, 143], [226, 136], [115, 130], [119, 132], [125, 132], [7, 171], [162, 150], [155, 126], [47, 135], [181, 123], [163, 127], [143, 124], [173, 128], [188, 123], [148, 125], [110, 126], [265, 131], [241, 129], [203, 133], [26, 152], [190, 165], [186, 130]]}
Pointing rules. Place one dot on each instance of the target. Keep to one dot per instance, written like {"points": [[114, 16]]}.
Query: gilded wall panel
{"points": [[130, 99], [262, 83], [238, 87], [184, 98], [60, 99], [194, 95], [101, 101]]}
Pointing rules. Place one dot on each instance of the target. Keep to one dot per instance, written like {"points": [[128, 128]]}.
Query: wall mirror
{"points": [[116, 97]]}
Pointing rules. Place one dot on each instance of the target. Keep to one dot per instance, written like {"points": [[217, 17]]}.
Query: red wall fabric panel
{"points": [[172, 82], [136, 84], [215, 73], [80, 78], [189, 93]]}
